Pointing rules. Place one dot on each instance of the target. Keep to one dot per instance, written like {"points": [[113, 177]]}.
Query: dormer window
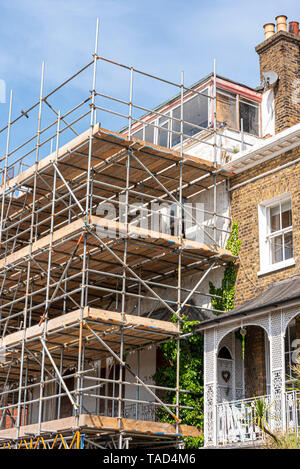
{"points": [[237, 110]]}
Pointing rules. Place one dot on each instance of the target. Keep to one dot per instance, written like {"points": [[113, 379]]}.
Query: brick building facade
{"points": [[244, 210], [265, 203], [280, 54]]}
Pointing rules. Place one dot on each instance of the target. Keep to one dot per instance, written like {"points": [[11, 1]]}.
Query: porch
{"points": [[251, 354], [236, 421]]}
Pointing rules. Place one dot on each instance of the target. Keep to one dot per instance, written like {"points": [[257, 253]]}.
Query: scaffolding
{"points": [[78, 289]]}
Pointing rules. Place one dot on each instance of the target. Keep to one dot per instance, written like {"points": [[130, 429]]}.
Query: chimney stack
{"points": [[269, 30], [281, 23], [294, 27], [280, 53]]}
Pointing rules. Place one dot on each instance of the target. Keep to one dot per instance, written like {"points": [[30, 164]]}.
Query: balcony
{"points": [[237, 422]]}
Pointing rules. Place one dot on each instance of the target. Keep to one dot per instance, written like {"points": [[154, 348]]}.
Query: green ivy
{"points": [[227, 289]]}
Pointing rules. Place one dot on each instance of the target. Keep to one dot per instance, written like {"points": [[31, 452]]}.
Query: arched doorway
{"points": [[243, 375], [225, 374]]}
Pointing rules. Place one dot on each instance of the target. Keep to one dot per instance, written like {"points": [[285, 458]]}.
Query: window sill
{"points": [[277, 266]]}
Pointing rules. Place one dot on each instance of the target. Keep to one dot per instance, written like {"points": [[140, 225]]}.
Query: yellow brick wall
{"points": [[255, 368], [281, 54], [244, 210]]}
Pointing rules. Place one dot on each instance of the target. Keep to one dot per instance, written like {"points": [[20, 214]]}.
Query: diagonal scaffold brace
{"points": [[122, 363]]}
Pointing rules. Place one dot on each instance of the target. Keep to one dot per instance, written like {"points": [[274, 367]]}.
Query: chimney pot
{"points": [[294, 27], [269, 30], [281, 23]]}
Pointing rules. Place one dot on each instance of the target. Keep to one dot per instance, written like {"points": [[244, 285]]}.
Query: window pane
{"points": [[138, 134], [163, 134], [149, 133], [226, 109], [176, 126], [276, 249], [288, 245], [286, 214], [275, 218], [195, 111], [249, 114]]}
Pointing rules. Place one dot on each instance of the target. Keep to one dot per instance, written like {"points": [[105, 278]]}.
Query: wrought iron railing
{"points": [[292, 410], [140, 412], [237, 420]]}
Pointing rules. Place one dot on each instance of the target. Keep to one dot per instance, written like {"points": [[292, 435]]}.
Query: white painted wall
{"points": [[49, 407], [268, 113], [147, 368], [229, 142]]}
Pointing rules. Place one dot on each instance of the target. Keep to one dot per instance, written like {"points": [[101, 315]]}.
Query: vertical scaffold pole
{"points": [[215, 153], [3, 182], [52, 220], [123, 303], [180, 227], [130, 104], [95, 55], [88, 209], [32, 234]]}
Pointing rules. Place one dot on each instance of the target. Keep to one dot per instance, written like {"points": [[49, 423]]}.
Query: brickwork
{"points": [[244, 210], [281, 54], [298, 328], [255, 368]]}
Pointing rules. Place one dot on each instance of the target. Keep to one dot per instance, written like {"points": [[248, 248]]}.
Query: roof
{"points": [[275, 295], [198, 83]]}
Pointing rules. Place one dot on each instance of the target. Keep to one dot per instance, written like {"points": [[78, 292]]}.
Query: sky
{"points": [[161, 37]]}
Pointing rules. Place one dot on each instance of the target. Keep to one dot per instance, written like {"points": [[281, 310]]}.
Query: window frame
{"points": [[238, 98], [235, 100], [265, 235], [254, 104], [234, 95], [168, 115]]}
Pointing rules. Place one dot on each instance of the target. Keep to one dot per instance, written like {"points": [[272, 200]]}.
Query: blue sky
{"points": [[161, 37]]}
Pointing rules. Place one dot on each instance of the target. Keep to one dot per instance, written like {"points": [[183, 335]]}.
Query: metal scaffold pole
{"points": [[215, 153], [42, 384], [4, 177]]}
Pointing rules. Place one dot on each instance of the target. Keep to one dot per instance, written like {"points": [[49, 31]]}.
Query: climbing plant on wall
{"points": [[227, 290], [191, 379]]}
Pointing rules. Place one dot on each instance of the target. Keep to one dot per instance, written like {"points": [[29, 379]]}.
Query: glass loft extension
{"points": [[165, 130], [234, 111]]}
